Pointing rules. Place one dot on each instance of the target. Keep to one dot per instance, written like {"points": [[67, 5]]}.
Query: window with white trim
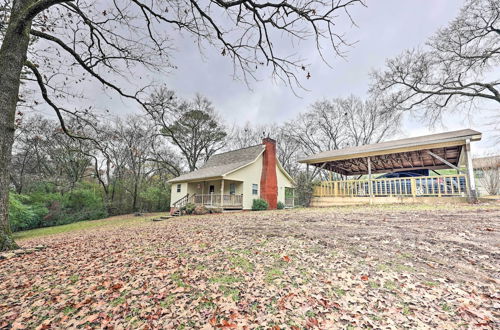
{"points": [[178, 188], [255, 189]]}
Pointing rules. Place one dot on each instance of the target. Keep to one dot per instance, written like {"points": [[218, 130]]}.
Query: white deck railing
{"points": [[229, 200], [442, 185]]}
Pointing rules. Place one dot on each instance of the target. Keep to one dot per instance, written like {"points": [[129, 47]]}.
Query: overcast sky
{"points": [[385, 28]]}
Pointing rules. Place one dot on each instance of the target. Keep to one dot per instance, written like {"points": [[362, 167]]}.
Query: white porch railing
{"points": [[228, 200], [442, 185]]}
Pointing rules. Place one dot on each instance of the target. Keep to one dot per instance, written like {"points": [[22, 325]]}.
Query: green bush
{"points": [[155, 199], [281, 206], [24, 214], [80, 204], [189, 208], [44, 208], [259, 205]]}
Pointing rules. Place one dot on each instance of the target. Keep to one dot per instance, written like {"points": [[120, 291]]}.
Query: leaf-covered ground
{"points": [[307, 268]]}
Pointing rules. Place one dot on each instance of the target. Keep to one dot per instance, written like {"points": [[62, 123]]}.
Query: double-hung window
{"points": [[255, 189]]}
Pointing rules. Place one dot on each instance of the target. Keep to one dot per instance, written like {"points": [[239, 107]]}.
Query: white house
{"points": [[233, 179]]}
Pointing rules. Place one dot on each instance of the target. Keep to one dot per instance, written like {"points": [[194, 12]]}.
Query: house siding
{"points": [[249, 174], [283, 182], [174, 195]]}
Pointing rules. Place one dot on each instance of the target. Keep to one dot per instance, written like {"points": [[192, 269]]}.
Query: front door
{"points": [[211, 189]]}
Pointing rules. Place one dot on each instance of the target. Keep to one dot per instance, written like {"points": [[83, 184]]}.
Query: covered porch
{"points": [[226, 194], [410, 165]]}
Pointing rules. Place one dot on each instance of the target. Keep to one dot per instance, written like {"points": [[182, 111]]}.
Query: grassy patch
{"points": [[338, 291], [403, 268], [168, 301], [231, 292], [273, 274], [74, 278], [406, 310], [390, 285], [226, 279], [243, 263], [447, 308], [200, 267], [310, 313], [400, 268], [117, 301], [125, 220], [206, 305], [177, 279], [69, 310]]}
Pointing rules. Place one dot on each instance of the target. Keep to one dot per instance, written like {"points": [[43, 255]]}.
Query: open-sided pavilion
{"points": [[450, 150]]}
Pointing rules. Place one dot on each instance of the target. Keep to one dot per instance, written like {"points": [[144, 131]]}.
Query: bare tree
{"points": [[136, 135], [287, 147], [59, 43], [453, 69], [193, 127], [28, 162], [365, 121], [245, 136], [42, 152], [319, 129], [490, 178], [340, 123]]}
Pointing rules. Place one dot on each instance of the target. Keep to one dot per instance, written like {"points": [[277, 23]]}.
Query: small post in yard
{"points": [[370, 187], [222, 193], [470, 173]]}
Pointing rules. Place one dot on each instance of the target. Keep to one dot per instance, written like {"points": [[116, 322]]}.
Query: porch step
{"points": [[162, 218], [176, 213]]}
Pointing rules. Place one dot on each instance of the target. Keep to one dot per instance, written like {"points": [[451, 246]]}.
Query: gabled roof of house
{"points": [[224, 163]]}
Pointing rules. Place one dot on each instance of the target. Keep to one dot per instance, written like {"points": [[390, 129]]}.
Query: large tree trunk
{"points": [[12, 58]]}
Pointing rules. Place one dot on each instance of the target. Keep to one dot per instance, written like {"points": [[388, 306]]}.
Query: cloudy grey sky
{"points": [[384, 29]]}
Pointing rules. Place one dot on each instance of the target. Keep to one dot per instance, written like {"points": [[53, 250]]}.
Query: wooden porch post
{"points": [[202, 192], [470, 173], [222, 193], [370, 187]]}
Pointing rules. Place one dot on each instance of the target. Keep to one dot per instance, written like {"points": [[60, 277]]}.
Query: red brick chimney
{"points": [[268, 179]]}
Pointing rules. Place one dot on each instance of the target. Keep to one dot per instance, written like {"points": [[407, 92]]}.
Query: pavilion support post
{"points": [[222, 193], [470, 173], [370, 187]]}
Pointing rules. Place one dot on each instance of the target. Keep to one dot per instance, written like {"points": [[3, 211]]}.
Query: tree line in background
{"points": [[123, 165]]}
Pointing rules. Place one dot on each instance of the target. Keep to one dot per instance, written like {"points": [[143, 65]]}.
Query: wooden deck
{"points": [[416, 187]]}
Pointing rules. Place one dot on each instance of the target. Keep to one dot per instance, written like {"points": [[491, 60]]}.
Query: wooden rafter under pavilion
{"points": [[435, 151]]}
